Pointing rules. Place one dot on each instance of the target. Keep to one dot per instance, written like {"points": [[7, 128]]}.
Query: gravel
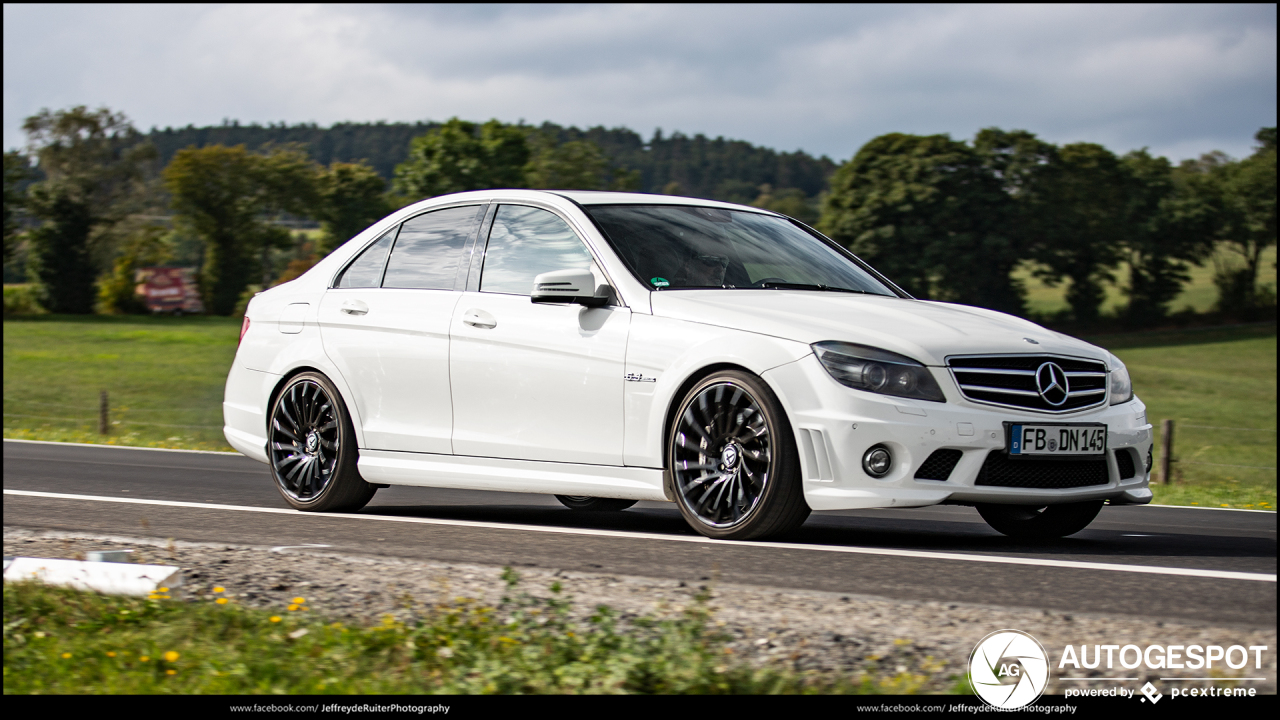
{"points": [[911, 645]]}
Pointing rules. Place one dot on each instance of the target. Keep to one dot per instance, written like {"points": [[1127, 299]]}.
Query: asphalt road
{"points": [[1176, 563]]}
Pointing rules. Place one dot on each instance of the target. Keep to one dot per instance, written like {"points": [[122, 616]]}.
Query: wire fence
{"points": [[107, 419], [1178, 447]]}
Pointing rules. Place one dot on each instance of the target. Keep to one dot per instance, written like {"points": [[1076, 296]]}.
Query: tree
{"points": [[349, 198], [17, 170], [460, 156], [925, 211], [574, 165], [1084, 223], [146, 245], [1170, 225], [225, 195], [1247, 193], [788, 201], [94, 166]]}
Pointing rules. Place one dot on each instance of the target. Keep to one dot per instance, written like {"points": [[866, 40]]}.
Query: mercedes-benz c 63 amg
{"points": [[608, 348]]}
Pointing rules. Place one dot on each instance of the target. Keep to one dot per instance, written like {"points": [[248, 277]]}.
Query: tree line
{"points": [[950, 220], [90, 200], [730, 170]]}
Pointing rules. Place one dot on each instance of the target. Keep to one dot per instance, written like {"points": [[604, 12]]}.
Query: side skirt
{"points": [[477, 473]]}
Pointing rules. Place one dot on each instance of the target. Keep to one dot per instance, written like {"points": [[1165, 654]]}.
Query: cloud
{"points": [[1179, 79]]}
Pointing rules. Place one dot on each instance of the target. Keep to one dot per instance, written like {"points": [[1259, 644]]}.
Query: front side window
{"points": [[366, 270], [526, 242], [674, 246], [429, 248]]}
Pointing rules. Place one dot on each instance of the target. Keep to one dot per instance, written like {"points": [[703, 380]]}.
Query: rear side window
{"points": [[366, 271], [429, 248], [526, 242]]}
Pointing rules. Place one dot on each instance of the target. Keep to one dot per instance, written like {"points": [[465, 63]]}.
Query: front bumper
{"points": [[834, 425]]}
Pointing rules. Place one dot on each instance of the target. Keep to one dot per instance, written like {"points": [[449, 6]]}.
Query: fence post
{"points": [[1166, 450], [103, 421]]}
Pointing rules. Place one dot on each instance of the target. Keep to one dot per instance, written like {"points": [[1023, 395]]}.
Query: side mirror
{"points": [[570, 286]]}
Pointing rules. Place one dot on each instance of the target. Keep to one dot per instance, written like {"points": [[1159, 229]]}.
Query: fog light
{"points": [[877, 461], [1150, 460]]}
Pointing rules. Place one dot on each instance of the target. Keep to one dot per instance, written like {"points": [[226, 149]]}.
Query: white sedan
{"points": [[609, 348]]}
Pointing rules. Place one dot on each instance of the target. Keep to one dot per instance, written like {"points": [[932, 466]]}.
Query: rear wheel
{"points": [[582, 502], [1030, 522], [733, 462], [312, 450]]}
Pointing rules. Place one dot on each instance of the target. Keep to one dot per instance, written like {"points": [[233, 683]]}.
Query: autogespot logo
{"points": [[1009, 669]]}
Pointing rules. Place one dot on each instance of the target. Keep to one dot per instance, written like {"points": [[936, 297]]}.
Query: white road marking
{"points": [[889, 552]]}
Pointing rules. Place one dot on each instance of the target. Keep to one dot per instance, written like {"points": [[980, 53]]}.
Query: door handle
{"points": [[480, 319], [354, 307]]}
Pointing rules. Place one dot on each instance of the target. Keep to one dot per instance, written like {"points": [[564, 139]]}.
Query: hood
{"points": [[922, 330]]}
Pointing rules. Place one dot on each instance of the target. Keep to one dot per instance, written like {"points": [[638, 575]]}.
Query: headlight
{"points": [[1121, 386], [877, 371]]}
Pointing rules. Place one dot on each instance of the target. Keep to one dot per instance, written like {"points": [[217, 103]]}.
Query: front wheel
{"points": [[732, 460], [1029, 522], [594, 504], [311, 446]]}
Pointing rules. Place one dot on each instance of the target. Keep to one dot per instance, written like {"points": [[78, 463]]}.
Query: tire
{"points": [[581, 502], [750, 492], [1029, 522], [311, 448]]}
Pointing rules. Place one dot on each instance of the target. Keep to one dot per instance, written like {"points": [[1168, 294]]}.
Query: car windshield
{"points": [[675, 247]]}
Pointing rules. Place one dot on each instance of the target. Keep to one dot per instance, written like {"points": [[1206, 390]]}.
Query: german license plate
{"points": [[1057, 440]]}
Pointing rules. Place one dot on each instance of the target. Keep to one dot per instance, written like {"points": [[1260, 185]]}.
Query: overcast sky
{"points": [[1181, 80]]}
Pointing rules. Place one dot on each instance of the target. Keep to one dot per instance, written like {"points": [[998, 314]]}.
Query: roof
{"points": [[596, 197]]}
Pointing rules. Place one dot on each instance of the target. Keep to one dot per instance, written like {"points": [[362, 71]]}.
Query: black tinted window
{"points": [[526, 242], [366, 271], [429, 248], [672, 246]]}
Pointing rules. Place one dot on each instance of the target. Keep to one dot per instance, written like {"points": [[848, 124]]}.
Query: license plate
{"points": [[1057, 440]]}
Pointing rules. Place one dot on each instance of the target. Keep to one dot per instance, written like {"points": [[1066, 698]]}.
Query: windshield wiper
{"points": [[806, 286]]}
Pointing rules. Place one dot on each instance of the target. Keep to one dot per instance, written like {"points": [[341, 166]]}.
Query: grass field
{"points": [[66, 642], [163, 375], [165, 379], [1219, 387], [1199, 294]]}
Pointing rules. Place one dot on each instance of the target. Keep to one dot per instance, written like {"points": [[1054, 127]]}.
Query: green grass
{"points": [[1219, 387], [59, 641], [164, 377], [1199, 294]]}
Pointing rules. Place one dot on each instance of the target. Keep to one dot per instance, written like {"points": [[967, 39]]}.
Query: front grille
{"points": [[1124, 462], [1001, 471], [939, 464], [1010, 380]]}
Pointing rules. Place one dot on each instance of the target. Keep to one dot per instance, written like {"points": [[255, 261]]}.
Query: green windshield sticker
{"points": [[659, 282]]}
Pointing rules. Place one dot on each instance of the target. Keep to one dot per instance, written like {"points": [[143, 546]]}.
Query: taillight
{"points": [[244, 328]]}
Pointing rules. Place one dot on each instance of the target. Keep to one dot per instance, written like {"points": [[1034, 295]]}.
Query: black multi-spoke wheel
{"points": [[312, 449], [1028, 522], [583, 502], [732, 460]]}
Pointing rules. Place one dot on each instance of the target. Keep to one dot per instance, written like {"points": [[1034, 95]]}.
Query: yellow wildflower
{"points": [[221, 601], [171, 656], [299, 601], [275, 618], [66, 656], [218, 589]]}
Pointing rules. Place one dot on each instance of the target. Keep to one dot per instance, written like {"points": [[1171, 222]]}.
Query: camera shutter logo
{"points": [[1009, 669]]}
